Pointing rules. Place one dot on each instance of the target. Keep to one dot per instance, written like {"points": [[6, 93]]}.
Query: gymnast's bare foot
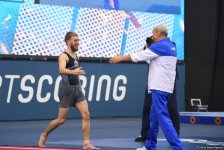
{"points": [[42, 140], [90, 146]]}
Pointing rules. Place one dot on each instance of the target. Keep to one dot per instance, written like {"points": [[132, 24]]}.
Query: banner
{"points": [[29, 89]]}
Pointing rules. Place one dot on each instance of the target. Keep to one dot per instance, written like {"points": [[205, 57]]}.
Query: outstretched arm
{"points": [[119, 58]]}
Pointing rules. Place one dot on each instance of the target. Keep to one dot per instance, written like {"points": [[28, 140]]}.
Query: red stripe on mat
{"points": [[33, 148]]}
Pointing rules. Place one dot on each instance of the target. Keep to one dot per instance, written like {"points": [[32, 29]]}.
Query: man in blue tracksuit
{"points": [[171, 106], [162, 57]]}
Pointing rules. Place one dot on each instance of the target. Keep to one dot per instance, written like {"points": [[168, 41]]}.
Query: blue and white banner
{"points": [[29, 89]]}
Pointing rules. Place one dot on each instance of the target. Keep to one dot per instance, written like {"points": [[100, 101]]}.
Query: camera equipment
{"points": [[149, 41]]}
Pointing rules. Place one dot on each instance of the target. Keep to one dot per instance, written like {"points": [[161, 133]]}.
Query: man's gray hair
{"points": [[162, 29]]}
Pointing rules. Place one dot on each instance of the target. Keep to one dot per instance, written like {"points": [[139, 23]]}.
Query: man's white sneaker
{"points": [[142, 148]]}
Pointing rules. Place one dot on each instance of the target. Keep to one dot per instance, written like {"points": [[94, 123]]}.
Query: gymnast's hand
{"points": [[78, 71]]}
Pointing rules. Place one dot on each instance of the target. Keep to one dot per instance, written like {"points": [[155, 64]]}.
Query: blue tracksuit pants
{"points": [[159, 116]]}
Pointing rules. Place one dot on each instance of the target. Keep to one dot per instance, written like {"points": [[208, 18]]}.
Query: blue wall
{"points": [[28, 89]]}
